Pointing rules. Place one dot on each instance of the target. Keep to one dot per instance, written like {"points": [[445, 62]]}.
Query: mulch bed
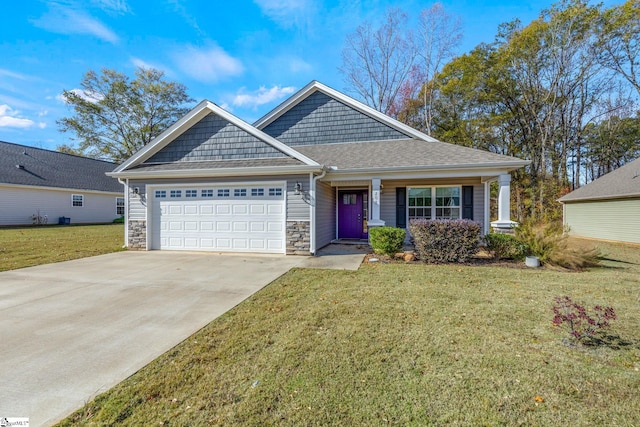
{"points": [[480, 259]]}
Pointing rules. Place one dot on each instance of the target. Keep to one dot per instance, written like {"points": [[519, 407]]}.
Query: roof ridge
{"points": [[57, 152]]}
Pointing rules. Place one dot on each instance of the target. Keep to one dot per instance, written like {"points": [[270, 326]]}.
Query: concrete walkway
{"points": [[72, 330]]}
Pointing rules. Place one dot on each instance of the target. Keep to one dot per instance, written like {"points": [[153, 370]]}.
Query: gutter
{"points": [[222, 172], [312, 238]]}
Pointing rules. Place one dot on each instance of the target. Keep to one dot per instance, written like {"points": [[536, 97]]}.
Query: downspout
{"points": [[314, 180], [126, 211]]}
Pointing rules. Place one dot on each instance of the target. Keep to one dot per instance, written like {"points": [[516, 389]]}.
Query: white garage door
{"points": [[247, 218]]}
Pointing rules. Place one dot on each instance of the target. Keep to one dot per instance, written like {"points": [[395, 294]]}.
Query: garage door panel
{"points": [[223, 209], [240, 209], [234, 223]]}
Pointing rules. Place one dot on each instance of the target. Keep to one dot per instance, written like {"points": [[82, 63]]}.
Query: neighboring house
{"points": [[607, 208], [319, 167], [38, 186]]}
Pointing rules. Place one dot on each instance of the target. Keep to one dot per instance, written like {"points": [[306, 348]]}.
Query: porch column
{"points": [[504, 222], [375, 220]]}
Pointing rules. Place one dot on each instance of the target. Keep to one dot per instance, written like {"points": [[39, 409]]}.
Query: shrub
{"points": [[505, 246], [387, 240], [445, 240], [582, 325], [119, 220], [552, 246]]}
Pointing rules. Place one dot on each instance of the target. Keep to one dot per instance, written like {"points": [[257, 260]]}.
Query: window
{"points": [[257, 192], [420, 203], [445, 204], [448, 202], [275, 191], [206, 193], [77, 200], [176, 193], [161, 194], [223, 192], [349, 199], [240, 192], [191, 193], [120, 206]]}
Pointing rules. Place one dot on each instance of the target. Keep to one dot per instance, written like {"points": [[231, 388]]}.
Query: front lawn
{"points": [[398, 345], [28, 246]]}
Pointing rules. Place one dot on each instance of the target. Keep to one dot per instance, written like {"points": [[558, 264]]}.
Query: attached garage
{"points": [[220, 218]]}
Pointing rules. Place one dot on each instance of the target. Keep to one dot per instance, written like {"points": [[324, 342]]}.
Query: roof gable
{"points": [[318, 114], [22, 165], [321, 119], [207, 133], [214, 138], [620, 183]]}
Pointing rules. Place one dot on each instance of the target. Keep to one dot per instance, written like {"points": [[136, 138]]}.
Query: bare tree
{"points": [[377, 62], [439, 35]]}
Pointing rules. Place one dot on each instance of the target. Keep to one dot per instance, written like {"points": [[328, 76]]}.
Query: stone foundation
{"points": [[137, 235], [298, 238]]}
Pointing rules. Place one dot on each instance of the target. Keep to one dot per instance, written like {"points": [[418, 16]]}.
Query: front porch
{"points": [[347, 209]]}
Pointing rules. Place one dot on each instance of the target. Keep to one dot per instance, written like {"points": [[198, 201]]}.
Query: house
{"points": [[321, 166], [607, 208], [41, 186]]}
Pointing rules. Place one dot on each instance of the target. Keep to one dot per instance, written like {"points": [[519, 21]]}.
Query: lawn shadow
{"points": [[614, 342]]}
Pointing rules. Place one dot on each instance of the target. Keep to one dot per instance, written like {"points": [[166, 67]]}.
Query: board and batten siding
{"points": [[388, 198], [19, 204], [325, 214], [617, 220], [297, 208]]}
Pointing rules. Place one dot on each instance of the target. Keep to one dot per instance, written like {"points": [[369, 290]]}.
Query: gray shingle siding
{"points": [[320, 119], [214, 138]]}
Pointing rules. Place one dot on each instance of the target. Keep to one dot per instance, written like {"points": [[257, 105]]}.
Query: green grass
{"points": [[29, 246], [398, 345]]}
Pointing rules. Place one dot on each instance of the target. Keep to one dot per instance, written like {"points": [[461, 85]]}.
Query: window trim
{"points": [[433, 200], [118, 205], [81, 200]]}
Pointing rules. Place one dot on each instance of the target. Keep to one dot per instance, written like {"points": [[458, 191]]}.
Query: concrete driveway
{"points": [[71, 330]]}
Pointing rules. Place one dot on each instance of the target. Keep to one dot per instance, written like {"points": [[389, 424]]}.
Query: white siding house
{"points": [[607, 208], [43, 186]]}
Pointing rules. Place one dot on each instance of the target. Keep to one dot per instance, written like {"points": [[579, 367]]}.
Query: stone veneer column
{"points": [[137, 235], [298, 238]]}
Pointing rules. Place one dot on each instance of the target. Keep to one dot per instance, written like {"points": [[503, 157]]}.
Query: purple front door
{"points": [[352, 214]]}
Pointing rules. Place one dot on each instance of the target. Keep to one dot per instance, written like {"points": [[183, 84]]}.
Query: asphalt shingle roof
{"points": [[400, 153], [22, 165], [621, 183]]}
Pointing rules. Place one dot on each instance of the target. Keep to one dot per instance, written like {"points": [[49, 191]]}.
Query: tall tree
{"points": [[619, 43], [439, 35], [377, 62], [115, 116]]}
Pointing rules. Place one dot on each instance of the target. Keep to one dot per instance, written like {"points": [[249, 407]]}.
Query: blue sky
{"points": [[245, 55]]}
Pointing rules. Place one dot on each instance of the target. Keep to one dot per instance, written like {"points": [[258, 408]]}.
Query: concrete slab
{"points": [[72, 330], [338, 257]]}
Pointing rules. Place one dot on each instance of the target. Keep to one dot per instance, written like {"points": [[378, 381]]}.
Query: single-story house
{"points": [[319, 167], [608, 208], [41, 186]]}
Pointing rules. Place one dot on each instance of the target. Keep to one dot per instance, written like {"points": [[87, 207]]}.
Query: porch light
{"points": [[298, 188]]}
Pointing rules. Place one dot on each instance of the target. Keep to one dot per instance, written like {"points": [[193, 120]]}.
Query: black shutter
{"points": [[467, 202], [401, 207]]}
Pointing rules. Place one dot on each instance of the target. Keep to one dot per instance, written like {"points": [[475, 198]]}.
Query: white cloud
{"points": [[10, 118], [287, 13], [42, 125], [9, 73], [67, 20], [209, 64], [117, 6], [92, 97], [261, 96], [297, 65]]}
